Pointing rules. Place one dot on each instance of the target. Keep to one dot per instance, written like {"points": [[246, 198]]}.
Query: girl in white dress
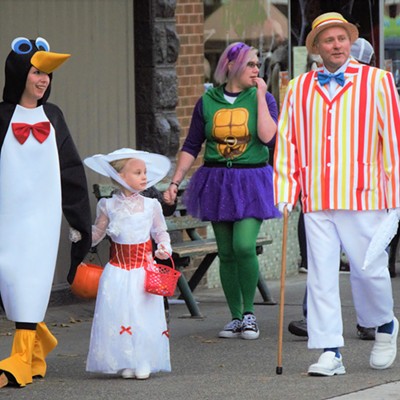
{"points": [[129, 333]]}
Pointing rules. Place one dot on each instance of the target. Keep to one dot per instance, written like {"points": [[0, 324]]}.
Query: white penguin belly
{"points": [[30, 220]]}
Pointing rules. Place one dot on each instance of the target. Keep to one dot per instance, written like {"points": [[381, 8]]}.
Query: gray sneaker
{"points": [[231, 330], [249, 327]]}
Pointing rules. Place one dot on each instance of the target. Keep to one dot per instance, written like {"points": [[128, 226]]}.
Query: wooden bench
{"points": [[189, 243]]}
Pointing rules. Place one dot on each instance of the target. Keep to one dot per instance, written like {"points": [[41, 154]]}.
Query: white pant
{"points": [[327, 232]]}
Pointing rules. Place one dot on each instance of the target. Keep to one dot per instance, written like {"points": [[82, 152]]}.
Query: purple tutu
{"points": [[231, 194]]}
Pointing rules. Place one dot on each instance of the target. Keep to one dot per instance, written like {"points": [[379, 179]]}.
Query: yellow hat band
{"points": [[328, 21]]}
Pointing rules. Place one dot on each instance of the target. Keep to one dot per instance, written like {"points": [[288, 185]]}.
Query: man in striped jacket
{"points": [[338, 145]]}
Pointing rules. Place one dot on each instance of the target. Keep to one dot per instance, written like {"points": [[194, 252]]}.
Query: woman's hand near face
{"points": [[261, 86]]}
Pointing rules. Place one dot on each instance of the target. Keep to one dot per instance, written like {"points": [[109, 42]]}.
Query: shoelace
{"points": [[235, 324], [249, 322]]}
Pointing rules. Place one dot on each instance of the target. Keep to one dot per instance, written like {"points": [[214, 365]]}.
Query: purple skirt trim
{"points": [[231, 194]]}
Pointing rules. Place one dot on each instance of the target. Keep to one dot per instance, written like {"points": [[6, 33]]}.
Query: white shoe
{"points": [[328, 365], [142, 373], [128, 373], [384, 351]]}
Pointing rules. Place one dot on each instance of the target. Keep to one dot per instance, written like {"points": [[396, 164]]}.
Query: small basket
{"points": [[86, 281], [161, 279]]}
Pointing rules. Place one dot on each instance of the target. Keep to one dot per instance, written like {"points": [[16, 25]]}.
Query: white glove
{"points": [[398, 212], [163, 252], [74, 235], [282, 205]]}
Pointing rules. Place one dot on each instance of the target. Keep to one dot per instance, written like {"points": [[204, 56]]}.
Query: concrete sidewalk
{"points": [[388, 391], [206, 367]]}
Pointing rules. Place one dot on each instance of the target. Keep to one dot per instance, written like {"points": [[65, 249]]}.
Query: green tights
{"points": [[236, 242]]}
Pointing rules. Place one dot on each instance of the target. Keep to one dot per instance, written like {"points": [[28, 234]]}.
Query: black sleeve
{"points": [[6, 112], [75, 196]]}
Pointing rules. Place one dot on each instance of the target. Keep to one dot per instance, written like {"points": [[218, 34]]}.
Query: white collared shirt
{"points": [[332, 83]]}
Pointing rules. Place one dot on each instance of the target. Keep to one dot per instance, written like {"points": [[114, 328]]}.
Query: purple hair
{"points": [[238, 52]]}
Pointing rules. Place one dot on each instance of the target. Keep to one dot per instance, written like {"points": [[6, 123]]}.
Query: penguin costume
{"points": [[41, 178]]}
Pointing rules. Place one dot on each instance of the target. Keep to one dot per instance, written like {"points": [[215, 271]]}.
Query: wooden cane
{"points": [[282, 295]]}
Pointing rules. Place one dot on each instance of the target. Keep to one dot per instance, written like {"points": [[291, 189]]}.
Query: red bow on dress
{"points": [[40, 131]]}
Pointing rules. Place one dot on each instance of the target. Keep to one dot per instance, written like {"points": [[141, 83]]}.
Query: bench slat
{"points": [[178, 223], [194, 248]]}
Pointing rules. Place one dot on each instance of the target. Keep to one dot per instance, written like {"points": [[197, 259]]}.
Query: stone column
{"points": [[156, 52]]}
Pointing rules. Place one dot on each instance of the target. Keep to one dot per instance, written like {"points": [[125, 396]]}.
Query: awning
{"points": [[246, 20]]}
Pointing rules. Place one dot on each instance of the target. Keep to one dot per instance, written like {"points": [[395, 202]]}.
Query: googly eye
{"points": [[21, 45], [42, 44]]}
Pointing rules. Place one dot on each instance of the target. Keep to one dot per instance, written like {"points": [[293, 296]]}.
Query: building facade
{"points": [[138, 67]]}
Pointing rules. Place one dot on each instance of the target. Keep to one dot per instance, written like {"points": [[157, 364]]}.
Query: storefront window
{"points": [[362, 13], [262, 24], [279, 29], [391, 29]]}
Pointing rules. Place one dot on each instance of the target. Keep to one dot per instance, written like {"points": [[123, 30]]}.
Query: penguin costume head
{"points": [[26, 53]]}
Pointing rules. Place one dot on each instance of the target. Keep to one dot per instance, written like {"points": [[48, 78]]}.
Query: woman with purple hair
{"points": [[233, 188]]}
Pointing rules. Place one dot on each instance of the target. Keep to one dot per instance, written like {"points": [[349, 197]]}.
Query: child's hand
{"points": [[161, 252], [170, 194], [74, 235]]}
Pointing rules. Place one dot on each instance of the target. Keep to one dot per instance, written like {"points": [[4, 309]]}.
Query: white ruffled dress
{"points": [[129, 328]]}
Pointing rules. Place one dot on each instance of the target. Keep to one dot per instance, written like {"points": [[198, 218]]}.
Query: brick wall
{"points": [[190, 64]]}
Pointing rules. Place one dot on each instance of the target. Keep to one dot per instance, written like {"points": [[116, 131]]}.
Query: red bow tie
{"points": [[40, 131]]}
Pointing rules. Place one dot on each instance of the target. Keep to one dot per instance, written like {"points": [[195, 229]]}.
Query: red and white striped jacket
{"points": [[341, 153]]}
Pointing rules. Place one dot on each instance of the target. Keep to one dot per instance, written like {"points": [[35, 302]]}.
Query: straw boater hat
{"points": [[157, 166], [329, 20]]}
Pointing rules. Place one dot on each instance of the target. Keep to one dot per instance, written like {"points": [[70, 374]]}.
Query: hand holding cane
{"points": [[282, 294]]}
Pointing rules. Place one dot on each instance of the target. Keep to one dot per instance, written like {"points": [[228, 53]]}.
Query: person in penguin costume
{"points": [[41, 178]]}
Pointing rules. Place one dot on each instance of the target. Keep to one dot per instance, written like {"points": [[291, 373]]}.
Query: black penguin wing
{"points": [[6, 113], [75, 196]]}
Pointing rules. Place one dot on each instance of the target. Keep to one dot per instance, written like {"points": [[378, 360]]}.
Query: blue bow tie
{"points": [[323, 79]]}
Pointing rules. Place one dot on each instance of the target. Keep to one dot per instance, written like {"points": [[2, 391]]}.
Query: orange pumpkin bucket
{"points": [[161, 279], [86, 281]]}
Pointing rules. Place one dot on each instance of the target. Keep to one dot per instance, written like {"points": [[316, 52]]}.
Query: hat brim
{"points": [[157, 165], [310, 40]]}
